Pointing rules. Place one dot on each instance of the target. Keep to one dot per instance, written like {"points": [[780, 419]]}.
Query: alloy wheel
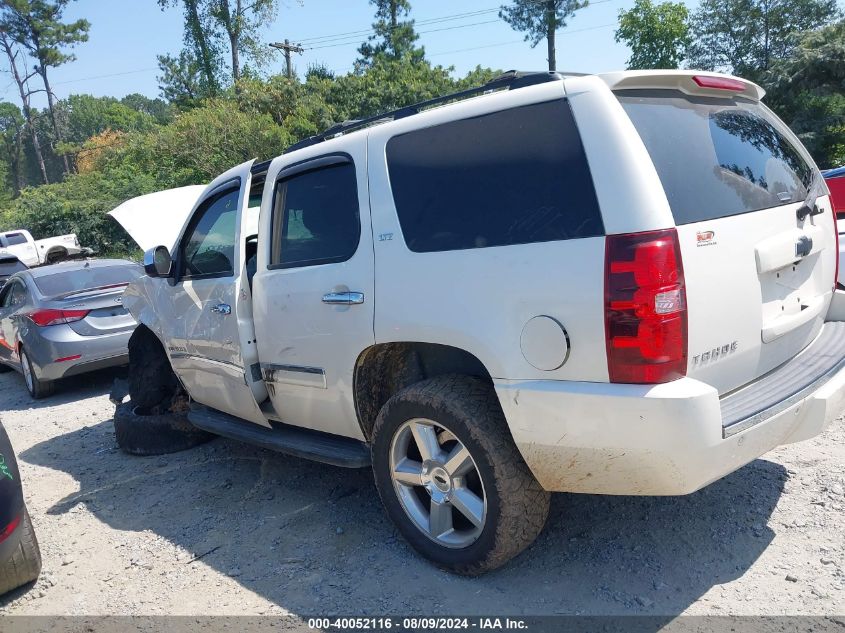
{"points": [[437, 483]]}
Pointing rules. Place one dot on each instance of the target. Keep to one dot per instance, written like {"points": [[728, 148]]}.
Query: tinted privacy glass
{"points": [[210, 249], [15, 238], [717, 157], [83, 279], [511, 177], [316, 217]]}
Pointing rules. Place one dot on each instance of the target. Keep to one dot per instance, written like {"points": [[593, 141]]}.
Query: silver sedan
{"points": [[65, 319]]}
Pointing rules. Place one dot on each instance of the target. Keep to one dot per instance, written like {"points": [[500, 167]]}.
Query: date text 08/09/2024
{"points": [[417, 623]]}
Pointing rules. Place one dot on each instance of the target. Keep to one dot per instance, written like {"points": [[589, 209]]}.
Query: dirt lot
{"points": [[229, 529]]}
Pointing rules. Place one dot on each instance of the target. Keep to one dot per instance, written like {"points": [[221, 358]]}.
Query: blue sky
{"points": [[126, 36]]}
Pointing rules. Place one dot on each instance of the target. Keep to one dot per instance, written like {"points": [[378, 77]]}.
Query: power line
{"points": [[353, 36], [128, 72], [445, 28], [474, 48]]}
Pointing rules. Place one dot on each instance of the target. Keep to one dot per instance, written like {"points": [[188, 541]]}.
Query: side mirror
{"points": [[157, 262]]}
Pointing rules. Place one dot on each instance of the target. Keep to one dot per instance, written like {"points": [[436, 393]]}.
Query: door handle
{"points": [[222, 308], [344, 298]]}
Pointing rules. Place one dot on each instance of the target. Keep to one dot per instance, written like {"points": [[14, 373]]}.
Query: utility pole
{"points": [[288, 48]]}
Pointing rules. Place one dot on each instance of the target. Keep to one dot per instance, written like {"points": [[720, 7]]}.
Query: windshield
{"points": [[82, 279], [717, 157]]}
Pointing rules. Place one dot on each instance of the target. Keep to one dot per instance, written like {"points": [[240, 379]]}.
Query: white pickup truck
{"points": [[609, 284], [34, 252]]}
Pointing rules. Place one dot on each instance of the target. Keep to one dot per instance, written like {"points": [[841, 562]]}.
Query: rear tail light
{"points": [[7, 531], [645, 308], [719, 83], [836, 233], [43, 318]]}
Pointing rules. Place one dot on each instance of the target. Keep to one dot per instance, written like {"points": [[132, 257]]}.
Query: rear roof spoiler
{"points": [[687, 81]]}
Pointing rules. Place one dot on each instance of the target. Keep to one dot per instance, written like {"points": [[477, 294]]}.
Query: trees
{"points": [[242, 21], [806, 89], [541, 19], [744, 36], [22, 82], [36, 25], [12, 127], [658, 35], [392, 37], [210, 25], [201, 58]]}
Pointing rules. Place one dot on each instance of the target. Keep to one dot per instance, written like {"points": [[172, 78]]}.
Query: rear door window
{"points": [[717, 157], [511, 177]]}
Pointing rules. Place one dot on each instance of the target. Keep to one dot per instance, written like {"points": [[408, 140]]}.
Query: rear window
{"points": [[510, 177], [717, 157], [9, 267], [15, 238], [89, 278]]}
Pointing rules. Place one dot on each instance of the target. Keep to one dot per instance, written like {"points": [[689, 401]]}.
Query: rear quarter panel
{"points": [[479, 300]]}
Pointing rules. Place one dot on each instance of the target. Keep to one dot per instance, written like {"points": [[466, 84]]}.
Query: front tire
{"points": [[451, 478], [37, 388], [24, 564]]}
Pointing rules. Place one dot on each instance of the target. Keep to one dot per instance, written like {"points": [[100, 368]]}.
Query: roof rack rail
{"points": [[510, 80]]}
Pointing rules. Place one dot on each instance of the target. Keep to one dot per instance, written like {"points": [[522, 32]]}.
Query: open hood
{"points": [[156, 219]]}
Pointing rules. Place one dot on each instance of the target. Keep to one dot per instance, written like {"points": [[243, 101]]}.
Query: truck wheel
{"points": [[141, 433], [152, 383], [451, 478], [24, 564], [37, 388]]}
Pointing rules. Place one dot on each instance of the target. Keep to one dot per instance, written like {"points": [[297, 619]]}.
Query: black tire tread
{"points": [[525, 504], [24, 565], [41, 388], [160, 434]]}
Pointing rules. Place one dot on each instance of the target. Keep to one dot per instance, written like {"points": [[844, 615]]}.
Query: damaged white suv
{"points": [[616, 284]]}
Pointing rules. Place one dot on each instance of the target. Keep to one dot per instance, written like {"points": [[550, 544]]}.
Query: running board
{"points": [[283, 438]]}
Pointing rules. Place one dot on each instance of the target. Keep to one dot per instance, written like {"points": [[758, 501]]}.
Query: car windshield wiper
{"points": [[814, 192]]}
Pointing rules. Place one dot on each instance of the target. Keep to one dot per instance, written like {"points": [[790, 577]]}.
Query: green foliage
{"points": [[200, 64], [744, 36], [807, 89], [37, 26], [11, 145], [79, 205], [540, 19], [85, 116], [656, 34], [198, 145], [181, 80], [392, 38]]}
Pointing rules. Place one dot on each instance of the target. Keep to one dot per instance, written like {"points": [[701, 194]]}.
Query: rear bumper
{"points": [[668, 439], [46, 345]]}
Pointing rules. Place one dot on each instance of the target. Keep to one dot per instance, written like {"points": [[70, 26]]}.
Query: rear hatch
{"points": [[759, 277]]}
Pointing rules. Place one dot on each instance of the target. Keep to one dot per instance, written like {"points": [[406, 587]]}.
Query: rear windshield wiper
{"points": [[816, 190]]}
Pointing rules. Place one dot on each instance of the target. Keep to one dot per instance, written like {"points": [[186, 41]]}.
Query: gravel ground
{"points": [[229, 529]]}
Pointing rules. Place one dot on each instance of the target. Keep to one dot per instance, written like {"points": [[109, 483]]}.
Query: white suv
{"points": [[615, 284]]}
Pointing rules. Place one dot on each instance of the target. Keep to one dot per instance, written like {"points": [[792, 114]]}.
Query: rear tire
{"points": [[494, 507], [143, 434], [24, 564], [37, 388]]}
